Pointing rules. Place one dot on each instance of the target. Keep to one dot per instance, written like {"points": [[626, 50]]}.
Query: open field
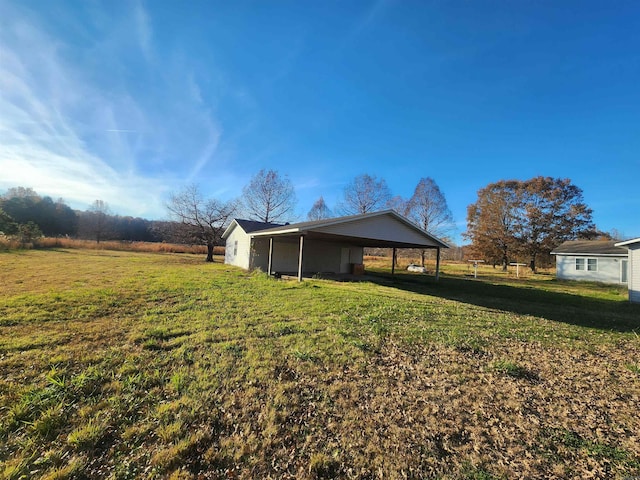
{"points": [[9, 243], [136, 365]]}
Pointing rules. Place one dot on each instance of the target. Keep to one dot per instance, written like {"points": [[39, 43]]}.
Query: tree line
{"points": [[269, 197], [28, 215], [511, 220]]}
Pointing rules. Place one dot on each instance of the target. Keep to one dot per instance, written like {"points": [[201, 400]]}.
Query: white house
{"points": [[593, 260], [634, 268], [237, 237], [332, 245]]}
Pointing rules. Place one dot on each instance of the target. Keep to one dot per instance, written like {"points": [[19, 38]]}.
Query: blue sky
{"points": [[126, 101]]}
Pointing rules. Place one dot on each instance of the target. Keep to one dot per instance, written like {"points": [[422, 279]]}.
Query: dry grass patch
{"points": [[131, 365], [124, 246]]}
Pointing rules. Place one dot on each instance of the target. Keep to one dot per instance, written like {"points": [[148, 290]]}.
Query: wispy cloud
{"points": [[209, 149], [84, 130], [143, 30], [369, 17]]}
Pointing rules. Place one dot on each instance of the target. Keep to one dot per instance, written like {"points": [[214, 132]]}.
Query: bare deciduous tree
{"points": [[365, 194], [20, 192], [428, 208], [97, 219], [319, 210], [398, 204], [203, 220], [269, 197]]}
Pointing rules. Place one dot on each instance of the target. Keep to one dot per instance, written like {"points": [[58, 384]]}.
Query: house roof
{"points": [[249, 226], [347, 228], [628, 242], [590, 247]]}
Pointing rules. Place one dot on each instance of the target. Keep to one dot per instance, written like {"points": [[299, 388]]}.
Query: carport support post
{"points": [[300, 258], [393, 261], [437, 264], [270, 256]]}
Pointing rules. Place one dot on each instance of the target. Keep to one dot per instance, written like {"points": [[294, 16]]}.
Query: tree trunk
{"points": [[532, 264], [209, 252], [422, 256]]}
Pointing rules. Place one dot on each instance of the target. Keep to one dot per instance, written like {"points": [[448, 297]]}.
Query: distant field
{"points": [[7, 244], [137, 365]]}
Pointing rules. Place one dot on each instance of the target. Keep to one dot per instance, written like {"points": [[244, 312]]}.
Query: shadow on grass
{"points": [[585, 311]]}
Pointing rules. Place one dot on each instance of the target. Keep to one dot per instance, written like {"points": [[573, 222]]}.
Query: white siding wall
{"points": [[318, 256], [634, 273], [327, 257], [260, 254], [241, 256], [380, 228], [322, 257], [357, 255], [285, 256], [608, 269]]}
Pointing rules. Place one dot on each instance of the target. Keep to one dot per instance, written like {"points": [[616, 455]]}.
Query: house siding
{"points": [[379, 228], [318, 256], [239, 257], [259, 254], [634, 273], [285, 256], [327, 257], [608, 268]]}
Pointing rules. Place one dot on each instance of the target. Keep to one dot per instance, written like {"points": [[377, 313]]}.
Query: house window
{"points": [[624, 266], [235, 248], [589, 264]]}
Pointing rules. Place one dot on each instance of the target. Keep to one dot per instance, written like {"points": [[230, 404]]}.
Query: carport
{"points": [[312, 247]]}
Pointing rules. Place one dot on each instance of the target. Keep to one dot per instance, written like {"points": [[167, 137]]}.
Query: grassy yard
{"points": [[133, 365]]}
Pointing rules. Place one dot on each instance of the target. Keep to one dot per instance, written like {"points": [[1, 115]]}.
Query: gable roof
{"points": [[346, 227], [249, 226], [628, 242], [590, 247]]}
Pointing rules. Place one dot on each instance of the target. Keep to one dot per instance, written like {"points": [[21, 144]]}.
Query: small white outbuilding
{"points": [[634, 268], [334, 245], [591, 260]]}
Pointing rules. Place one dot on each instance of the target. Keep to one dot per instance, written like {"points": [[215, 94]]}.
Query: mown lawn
{"points": [[132, 365]]}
